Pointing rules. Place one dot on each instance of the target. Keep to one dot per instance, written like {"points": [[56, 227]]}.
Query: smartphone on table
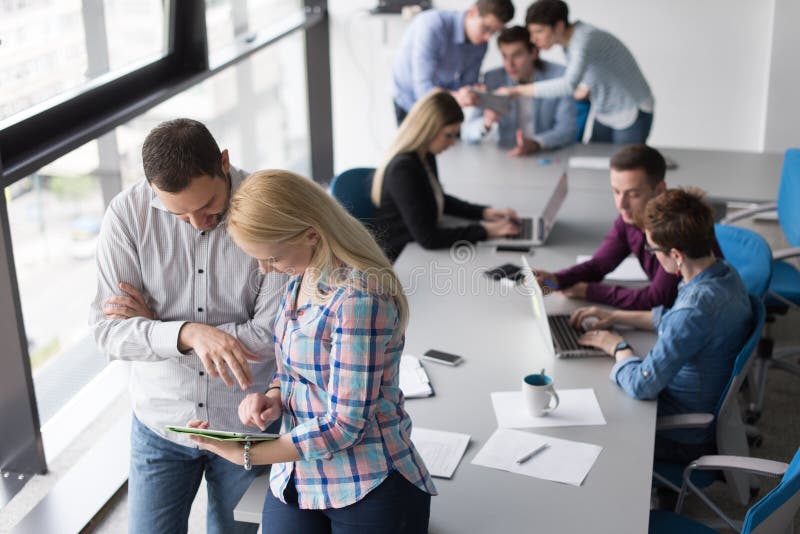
{"points": [[445, 358]]}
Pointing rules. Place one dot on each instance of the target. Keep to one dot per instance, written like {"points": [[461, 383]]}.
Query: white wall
{"points": [[709, 63], [782, 123]]}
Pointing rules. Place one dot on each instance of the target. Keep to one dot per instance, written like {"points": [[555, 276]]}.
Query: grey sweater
{"points": [[599, 60]]}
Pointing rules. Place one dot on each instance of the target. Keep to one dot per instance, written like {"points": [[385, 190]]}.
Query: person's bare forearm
{"points": [[641, 320]]}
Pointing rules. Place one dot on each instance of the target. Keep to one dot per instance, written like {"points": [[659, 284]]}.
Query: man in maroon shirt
{"points": [[637, 175]]}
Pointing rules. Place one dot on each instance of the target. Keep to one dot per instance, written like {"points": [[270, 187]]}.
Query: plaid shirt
{"points": [[338, 368]]}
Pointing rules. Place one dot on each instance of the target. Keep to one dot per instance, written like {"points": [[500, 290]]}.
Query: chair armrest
{"points": [[756, 466], [786, 253], [684, 420], [743, 214]]}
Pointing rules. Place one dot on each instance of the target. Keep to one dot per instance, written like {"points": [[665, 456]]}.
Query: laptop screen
{"points": [[537, 299], [553, 205]]}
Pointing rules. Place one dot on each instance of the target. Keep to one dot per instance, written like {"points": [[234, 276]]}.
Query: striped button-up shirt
{"points": [[338, 369], [186, 275]]}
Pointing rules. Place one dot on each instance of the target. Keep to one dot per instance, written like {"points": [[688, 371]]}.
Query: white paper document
{"points": [[627, 271], [414, 380], [578, 407], [441, 451], [589, 162], [562, 461]]}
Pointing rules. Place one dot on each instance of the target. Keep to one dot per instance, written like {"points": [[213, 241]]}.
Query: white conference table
{"points": [[734, 176], [456, 309]]}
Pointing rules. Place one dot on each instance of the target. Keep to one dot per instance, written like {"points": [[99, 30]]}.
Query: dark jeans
{"points": [[396, 506], [399, 113], [163, 482], [667, 450], [633, 134]]}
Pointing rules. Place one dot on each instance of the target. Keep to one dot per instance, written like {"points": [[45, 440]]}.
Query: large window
{"points": [[50, 47], [54, 217], [81, 84]]}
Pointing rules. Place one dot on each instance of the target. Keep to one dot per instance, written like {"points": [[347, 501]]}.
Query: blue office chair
{"points": [[773, 513], [784, 288], [583, 107], [749, 254], [730, 431], [352, 189]]}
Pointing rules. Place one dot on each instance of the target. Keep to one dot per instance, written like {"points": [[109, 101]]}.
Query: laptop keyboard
{"points": [[526, 229], [565, 338]]}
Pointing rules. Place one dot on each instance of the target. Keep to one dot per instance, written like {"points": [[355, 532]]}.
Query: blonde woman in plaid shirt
{"points": [[345, 461]]}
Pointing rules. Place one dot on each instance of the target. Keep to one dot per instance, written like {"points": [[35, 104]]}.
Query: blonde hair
{"points": [[426, 119], [276, 206]]}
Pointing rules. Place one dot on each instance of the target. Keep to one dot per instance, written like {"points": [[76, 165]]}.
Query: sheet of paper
{"points": [[441, 451], [627, 271], [578, 407], [589, 162], [414, 380], [562, 461]]}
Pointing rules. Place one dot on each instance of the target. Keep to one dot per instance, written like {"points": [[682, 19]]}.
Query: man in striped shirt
{"points": [[620, 95], [190, 310]]}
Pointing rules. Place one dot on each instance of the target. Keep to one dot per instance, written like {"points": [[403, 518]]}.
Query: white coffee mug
{"points": [[538, 393]]}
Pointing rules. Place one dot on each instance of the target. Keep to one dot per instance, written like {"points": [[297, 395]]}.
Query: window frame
{"points": [[32, 139]]}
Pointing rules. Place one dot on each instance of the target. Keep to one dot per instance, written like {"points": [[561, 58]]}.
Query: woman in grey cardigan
{"points": [[596, 59]]}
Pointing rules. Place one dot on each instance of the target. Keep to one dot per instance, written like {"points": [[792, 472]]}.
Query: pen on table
{"points": [[533, 453]]}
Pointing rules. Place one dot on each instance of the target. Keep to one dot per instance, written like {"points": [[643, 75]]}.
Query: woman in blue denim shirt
{"points": [[698, 338]]}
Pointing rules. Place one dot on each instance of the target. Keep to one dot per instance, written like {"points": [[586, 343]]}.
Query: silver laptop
{"points": [[556, 328], [535, 230]]}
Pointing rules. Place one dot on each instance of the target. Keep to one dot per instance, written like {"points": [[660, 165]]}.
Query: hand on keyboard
{"points": [[603, 319]]}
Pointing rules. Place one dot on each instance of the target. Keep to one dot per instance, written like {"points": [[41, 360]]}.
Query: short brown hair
{"points": [[641, 157], [548, 12], [683, 220], [502, 9], [177, 151], [515, 34]]}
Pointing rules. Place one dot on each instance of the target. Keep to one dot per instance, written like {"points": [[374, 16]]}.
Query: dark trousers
{"points": [[633, 134], [396, 506], [399, 113], [667, 450]]}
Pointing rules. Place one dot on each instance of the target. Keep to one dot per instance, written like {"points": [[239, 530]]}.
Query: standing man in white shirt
{"points": [[190, 310]]}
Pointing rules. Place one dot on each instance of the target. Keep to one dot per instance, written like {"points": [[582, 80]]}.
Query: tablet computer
{"points": [[223, 435]]}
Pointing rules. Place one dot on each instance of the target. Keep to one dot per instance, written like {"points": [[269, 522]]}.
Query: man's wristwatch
{"points": [[622, 345]]}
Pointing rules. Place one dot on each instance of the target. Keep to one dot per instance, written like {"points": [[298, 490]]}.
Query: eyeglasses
{"points": [[652, 250]]}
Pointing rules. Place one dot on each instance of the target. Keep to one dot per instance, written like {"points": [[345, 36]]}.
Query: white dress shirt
{"points": [[186, 275]]}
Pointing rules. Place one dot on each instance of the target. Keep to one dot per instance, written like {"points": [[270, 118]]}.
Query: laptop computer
{"points": [[556, 328], [535, 230]]}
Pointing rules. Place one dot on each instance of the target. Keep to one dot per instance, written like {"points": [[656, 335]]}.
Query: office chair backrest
{"points": [[749, 254], [775, 512], [789, 197], [352, 189], [730, 429]]}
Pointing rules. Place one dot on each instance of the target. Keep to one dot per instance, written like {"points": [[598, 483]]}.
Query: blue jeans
{"points": [[163, 482], [633, 134], [396, 506]]}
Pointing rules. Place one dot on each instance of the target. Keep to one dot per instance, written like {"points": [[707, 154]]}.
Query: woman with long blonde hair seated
{"points": [[406, 191], [344, 461]]}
